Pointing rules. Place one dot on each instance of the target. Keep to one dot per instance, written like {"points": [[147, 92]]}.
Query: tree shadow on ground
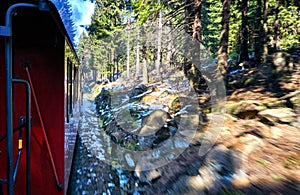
{"points": [[277, 76], [215, 173]]}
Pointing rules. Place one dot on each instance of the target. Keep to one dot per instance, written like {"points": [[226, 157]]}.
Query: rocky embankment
{"points": [[256, 151], [165, 139]]}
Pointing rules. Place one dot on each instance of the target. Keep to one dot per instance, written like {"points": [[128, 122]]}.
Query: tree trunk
{"points": [[170, 45], [223, 49], [159, 36], [197, 20], [144, 57], [117, 69], [197, 27], [94, 74], [188, 16], [258, 34], [276, 25], [137, 63], [128, 48], [244, 57], [145, 70], [265, 32], [128, 59], [112, 70], [115, 61]]}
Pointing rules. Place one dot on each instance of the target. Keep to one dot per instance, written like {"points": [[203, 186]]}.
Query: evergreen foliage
{"points": [[282, 22], [65, 10], [212, 16]]}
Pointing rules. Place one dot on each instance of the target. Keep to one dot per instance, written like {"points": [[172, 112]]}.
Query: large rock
{"points": [[285, 136], [246, 145], [278, 115], [153, 122], [282, 61], [138, 92], [145, 172], [174, 103], [244, 109], [251, 127], [275, 132], [295, 100], [276, 104]]}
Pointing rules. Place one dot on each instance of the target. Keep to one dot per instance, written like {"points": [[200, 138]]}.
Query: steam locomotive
{"points": [[40, 83]]}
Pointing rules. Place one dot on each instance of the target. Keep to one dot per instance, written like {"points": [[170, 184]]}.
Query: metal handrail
{"points": [[27, 128], [8, 91]]}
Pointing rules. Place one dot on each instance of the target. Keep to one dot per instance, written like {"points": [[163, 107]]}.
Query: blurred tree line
{"points": [[241, 30]]}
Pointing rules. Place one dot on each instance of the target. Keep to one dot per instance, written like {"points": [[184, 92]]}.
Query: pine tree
{"points": [[258, 33], [223, 49], [65, 10], [244, 57], [211, 19]]}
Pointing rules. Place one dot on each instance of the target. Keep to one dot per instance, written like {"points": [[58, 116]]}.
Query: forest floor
{"points": [[250, 147], [258, 149]]}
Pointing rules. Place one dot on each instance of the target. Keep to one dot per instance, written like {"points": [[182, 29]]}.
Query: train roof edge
{"points": [[53, 7], [59, 20]]}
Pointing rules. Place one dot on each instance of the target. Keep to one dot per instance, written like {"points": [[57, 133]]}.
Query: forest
{"points": [[233, 33], [190, 97]]}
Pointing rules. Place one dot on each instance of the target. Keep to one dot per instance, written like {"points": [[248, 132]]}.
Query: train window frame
{"points": [[72, 77], [69, 92]]}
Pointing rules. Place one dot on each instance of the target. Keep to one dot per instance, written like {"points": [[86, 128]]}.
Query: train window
{"points": [[72, 87], [75, 84], [69, 93]]}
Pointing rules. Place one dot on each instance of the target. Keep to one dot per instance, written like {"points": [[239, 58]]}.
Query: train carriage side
{"points": [[44, 62]]}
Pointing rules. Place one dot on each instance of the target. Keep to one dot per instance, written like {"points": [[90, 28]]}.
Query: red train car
{"points": [[40, 82]]}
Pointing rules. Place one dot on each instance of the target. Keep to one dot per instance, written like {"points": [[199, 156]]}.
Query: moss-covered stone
{"points": [[292, 161], [244, 109], [174, 104]]}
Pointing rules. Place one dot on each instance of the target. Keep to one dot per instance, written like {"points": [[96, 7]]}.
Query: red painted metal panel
{"points": [[2, 111], [47, 74], [38, 41]]}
